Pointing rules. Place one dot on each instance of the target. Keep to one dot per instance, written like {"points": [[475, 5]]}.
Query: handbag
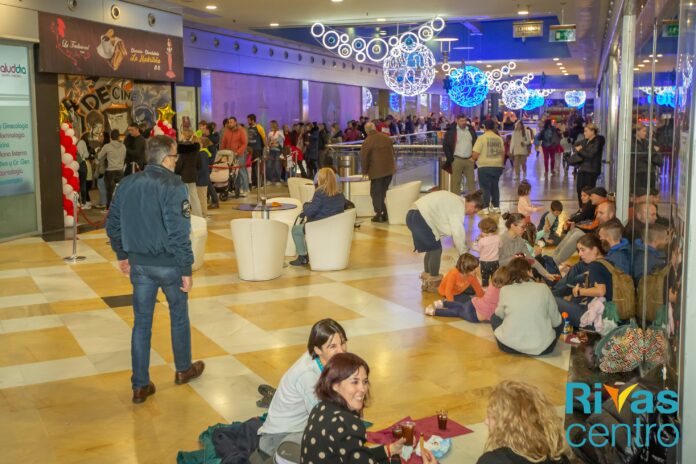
{"points": [[575, 159]]}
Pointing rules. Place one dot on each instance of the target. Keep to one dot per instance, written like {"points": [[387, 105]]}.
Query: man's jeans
{"points": [[101, 185], [146, 280], [489, 180]]}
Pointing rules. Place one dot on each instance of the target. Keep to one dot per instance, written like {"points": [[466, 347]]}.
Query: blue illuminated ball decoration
{"points": [[666, 97], [575, 98], [469, 86], [395, 102], [536, 100]]}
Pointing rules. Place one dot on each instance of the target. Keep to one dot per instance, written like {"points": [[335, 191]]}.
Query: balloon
{"points": [[74, 140], [62, 150], [64, 180], [158, 131], [65, 126], [65, 141], [67, 206], [74, 182], [67, 172], [69, 221], [74, 166], [70, 132], [73, 151], [67, 158], [67, 189]]}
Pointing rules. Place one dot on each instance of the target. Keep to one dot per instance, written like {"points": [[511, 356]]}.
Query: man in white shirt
{"points": [[457, 145], [295, 397]]}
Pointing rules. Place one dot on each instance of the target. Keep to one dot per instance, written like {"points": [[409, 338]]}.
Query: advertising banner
{"points": [[16, 140], [76, 46]]}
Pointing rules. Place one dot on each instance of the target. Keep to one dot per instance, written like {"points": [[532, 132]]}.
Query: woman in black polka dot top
{"points": [[335, 433]]}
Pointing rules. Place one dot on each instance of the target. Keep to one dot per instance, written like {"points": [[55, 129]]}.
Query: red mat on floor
{"points": [[427, 426]]}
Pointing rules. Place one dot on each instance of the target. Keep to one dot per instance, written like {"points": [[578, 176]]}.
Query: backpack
{"points": [[253, 136], [651, 292], [547, 136], [623, 291], [627, 346]]}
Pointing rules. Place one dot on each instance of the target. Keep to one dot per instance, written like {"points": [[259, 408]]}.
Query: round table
{"points": [[345, 184], [265, 209]]}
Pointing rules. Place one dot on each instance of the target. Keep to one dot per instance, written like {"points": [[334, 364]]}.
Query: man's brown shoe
{"points": [[141, 394], [189, 374]]}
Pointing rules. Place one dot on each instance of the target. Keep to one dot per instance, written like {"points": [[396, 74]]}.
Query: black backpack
{"points": [[253, 137]]}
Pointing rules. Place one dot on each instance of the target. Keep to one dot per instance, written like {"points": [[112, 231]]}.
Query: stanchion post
{"points": [[74, 258]]}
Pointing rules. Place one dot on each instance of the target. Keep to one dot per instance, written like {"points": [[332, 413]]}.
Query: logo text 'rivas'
{"points": [[643, 403]]}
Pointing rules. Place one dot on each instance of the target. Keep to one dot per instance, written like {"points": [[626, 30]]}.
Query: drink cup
{"points": [[397, 432], [442, 420], [408, 429]]}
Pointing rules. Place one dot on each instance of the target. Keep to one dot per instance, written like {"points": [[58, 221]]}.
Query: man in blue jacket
{"points": [[617, 247], [149, 226]]}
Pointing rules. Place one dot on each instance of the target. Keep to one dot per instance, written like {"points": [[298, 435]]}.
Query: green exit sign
{"points": [[670, 28], [562, 33]]}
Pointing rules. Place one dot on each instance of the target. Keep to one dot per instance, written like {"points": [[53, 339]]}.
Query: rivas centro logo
{"points": [[642, 403], [12, 69]]}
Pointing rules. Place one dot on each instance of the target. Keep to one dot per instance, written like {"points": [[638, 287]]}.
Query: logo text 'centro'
{"points": [[12, 69], [642, 404]]}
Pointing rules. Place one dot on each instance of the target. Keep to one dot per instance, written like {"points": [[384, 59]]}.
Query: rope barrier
{"points": [[98, 224]]}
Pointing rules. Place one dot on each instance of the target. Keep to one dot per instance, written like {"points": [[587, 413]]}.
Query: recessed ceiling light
{"points": [[562, 68], [559, 64], [555, 59], [636, 69], [522, 10], [489, 66], [336, 1], [381, 20], [445, 39], [646, 61], [274, 24], [641, 65], [478, 62], [659, 55], [211, 7]]}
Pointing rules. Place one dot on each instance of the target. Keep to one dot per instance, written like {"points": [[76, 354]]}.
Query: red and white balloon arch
{"points": [[70, 166]]}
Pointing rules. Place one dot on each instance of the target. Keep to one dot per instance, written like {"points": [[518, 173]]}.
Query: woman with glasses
{"points": [[512, 245]]}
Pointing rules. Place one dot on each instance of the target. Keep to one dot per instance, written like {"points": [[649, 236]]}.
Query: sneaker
{"points": [[301, 260], [438, 304], [266, 390], [87, 206], [485, 211], [243, 194], [430, 310], [278, 184], [494, 210]]}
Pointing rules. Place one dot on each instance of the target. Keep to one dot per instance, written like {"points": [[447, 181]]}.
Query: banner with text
{"points": [[16, 141], [76, 46]]}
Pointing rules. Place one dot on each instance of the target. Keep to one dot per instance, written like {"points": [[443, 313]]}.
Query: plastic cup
{"points": [[408, 430]]}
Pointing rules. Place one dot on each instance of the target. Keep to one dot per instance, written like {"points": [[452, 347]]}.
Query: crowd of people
{"points": [[516, 275]]}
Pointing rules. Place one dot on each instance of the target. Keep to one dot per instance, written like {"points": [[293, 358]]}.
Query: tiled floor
{"points": [[65, 344]]}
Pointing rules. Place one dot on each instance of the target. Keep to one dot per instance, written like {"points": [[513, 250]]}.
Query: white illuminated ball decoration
{"points": [[409, 70]]}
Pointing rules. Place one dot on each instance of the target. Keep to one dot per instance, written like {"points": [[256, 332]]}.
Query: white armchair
{"points": [[329, 241], [259, 246], [199, 235], [306, 193], [287, 216], [360, 196], [294, 184], [400, 199]]}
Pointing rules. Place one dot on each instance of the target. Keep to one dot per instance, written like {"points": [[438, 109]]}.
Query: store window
{"points": [[18, 206]]}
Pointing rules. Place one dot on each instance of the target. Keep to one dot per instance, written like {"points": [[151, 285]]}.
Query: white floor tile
{"points": [[99, 331], [24, 324], [119, 361], [22, 300], [11, 376], [64, 248], [60, 369], [13, 273]]}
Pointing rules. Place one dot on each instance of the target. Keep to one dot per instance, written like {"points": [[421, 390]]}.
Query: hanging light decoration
{"points": [[665, 96], [515, 96], [410, 67], [575, 98], [375, 49], [469, 86], [395, 102], [536, 100]]}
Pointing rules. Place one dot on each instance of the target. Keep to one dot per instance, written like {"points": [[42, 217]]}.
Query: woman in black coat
{"points": [[590, 150]]}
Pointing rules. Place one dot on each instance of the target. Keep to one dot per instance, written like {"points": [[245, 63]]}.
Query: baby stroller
{"points": [[223, 174]]}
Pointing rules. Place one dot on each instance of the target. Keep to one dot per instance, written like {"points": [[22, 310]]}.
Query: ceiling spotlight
{"points": [[659, 55], [555, 59], [336, 1], [381, 20], [641, 65], [211, 7], [559, 64], [478, 61], [647, 61], [445, 39], [522, 11], [489, 66], [636, 69], [274, 24], [562, 68]]}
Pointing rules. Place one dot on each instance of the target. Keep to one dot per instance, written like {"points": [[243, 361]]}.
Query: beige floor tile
{"points": [[89, 304], [17, 286], [37, 345], [18, 312], [293, 312]]}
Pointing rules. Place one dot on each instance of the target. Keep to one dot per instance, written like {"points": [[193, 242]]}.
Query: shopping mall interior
{"points": [[347, 231]]}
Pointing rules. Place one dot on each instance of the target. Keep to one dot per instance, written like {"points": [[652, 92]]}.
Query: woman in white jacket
{"points": [[519, 148], [437, 215]]}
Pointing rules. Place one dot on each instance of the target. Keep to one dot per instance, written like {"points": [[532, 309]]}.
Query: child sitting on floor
{"points": [[478, 309], [488, 246], [461, 278], [524, 203], [550, 225]]}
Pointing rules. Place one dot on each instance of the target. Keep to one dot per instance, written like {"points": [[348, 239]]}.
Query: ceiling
{"points": [[492, 19]]}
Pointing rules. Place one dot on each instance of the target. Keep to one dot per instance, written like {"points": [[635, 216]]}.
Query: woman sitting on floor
{"points": [[597, 284], [327, 201], [335, 433], [526, 320], [523, 427]]}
